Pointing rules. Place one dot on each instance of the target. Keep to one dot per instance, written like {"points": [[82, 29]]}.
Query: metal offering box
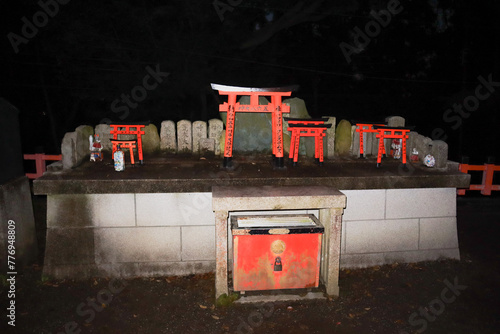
{"points": [[276, 251]]}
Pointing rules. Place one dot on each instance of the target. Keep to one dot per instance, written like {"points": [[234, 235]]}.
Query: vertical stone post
{"points": [[215, 127], [199, 132], [221, 253], [184, 137], [329, 150], [167, 136], [332, 221]]}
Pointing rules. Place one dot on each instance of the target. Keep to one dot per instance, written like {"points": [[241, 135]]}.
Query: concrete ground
{"points": [[433, 297]]}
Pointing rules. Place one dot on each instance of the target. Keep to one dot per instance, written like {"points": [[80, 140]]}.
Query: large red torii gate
{"points": [[276, 107]]}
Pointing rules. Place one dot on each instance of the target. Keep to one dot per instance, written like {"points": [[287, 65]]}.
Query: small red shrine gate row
{"points": [[385, 132], [487, 184], [276, 107], [128, 128], [40, 159], [366, 127], [312, 127]]}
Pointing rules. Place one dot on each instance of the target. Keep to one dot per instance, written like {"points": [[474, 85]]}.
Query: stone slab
{"points": [[364, 204], [71, 246], [380, 236], [377, 259], [207, 146], [184, 137], [199, 133], [215, 128], [418, 203], [128, 269], [134, 244], [75, 146], [167, 136], [437, 233], [154, 269], [91, 210], [174, 209], [198, 243], [330, 137], [182, 174], [440, 152], [280, 298], [276, 198]]}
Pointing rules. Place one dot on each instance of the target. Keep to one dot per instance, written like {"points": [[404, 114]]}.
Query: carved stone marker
{"points": [[199, 132], [184, 137], [167, 137], [215, 127]]}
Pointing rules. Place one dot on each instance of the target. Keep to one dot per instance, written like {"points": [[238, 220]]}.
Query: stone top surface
{"points": [[276, 198], [177, 173], [272, 191]]}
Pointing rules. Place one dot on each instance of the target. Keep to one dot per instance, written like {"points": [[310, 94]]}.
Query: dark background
{"points": [[426, 59]]}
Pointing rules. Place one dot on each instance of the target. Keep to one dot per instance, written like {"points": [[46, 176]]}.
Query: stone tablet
{"points": [[184, 137], [167, 136], [215, 127], [199, 132], [329, 146]]}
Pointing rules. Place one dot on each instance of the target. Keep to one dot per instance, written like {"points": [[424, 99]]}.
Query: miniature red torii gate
{"points": [[276, 107]]}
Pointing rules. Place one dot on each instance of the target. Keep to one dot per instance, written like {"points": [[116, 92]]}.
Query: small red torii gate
{"points": [[276, 107]]}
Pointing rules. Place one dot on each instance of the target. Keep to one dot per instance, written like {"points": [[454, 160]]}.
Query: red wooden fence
{"points": [[40, 159], [487, 185]]}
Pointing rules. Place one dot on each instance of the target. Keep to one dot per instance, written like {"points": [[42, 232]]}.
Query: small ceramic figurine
{"points": [[429, 160], [119, 159], [95, 148], [396, 148], [414, 155]]}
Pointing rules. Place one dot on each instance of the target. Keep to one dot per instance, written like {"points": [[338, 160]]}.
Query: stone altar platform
{"points": [[157, 219]]}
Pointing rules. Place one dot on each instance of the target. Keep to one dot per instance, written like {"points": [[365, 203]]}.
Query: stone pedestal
{"points": [[329, 201]]}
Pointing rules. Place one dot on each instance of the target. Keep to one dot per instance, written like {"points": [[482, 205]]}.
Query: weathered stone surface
{"points": [[298, 109], [440, 153], [395, 121], [422, 144], [440, 232], [137, 244], [329, 148], [410, 143], [199, 132], [222, 142], [68, 150], [207, 146], [404, 234], [355, 141], [215, 127], [198, 243], [61, 246], [286, 143], [150, 139], [184, 137], [343, 138], [103, 130], [252, 131], [418, 203], [16, 210], [75, 146], [167, 137]]}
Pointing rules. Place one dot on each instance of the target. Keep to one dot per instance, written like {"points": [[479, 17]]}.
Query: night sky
{"points": [[436, 63]]}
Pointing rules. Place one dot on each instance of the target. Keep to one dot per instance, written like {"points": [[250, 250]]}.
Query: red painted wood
{"points": [[253, 262]]}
